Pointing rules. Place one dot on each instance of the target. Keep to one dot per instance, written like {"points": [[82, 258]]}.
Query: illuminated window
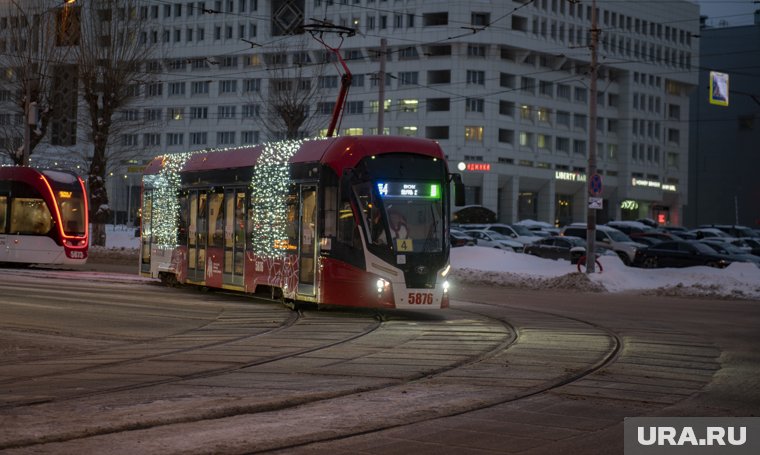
{"points": [[543, 141], [407, 131], [353, 132], [373, 106], [176, 113], [544, 114], [525, 112], [408, 105], [526, 139], [473, 133]]}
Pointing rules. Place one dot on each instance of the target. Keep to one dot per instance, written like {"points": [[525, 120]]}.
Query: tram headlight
{"points": [[446, 286], [382, 285]]}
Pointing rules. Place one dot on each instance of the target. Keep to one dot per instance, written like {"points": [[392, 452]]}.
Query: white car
{"points": [[494, 239], [513, 231]]}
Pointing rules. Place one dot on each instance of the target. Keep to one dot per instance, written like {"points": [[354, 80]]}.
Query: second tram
{"points": [[358, 221], [43, 217]]}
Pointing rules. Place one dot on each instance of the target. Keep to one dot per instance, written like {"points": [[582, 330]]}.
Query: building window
{"points": [[407, 131], [226, 112], [476, 77], [225, 138], [198, 112], [507, 108], [199, 87], [438, 104], [474, 104], [174, 138], [526, 139], [152, 139], [506, 136], [227, 87], [473, 134], [175, 113], [408, 78], [176, 88], [249, 137], [199, 138], [251, 110], [437, 132], [408, 105], [251, 85], [129, 140], [476, 50], [355, 107]]}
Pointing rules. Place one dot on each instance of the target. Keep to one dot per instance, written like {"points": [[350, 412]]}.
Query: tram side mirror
{"points": [[458, 190]]}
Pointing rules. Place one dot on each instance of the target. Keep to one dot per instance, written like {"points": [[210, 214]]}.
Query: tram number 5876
{"points": [[420, 298]]}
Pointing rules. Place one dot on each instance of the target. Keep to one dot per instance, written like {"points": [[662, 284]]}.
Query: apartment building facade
{"points": [[502, 85]]}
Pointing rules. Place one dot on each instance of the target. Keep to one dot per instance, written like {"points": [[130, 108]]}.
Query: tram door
{"points": [[198, 236], [234, 236], [307, 230]]}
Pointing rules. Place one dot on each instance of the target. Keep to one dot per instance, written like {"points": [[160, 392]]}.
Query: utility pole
{"points": [[591, 171], [381, 87]]}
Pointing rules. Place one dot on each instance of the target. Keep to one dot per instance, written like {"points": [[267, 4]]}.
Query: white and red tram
{"points": [[358, 221], [43, 217]]}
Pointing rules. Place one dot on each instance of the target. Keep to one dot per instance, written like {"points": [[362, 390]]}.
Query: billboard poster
{"points": [[718, 88]]}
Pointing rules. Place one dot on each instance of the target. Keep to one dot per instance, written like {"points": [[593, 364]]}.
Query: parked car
{"points": [[754, 245], [556, 247], [630, 227], [513, 231], [679, 231], [607, 237], [735, 253], [680, 253], [732, 230], [459, 238], [653, 236], [494, 239], [702, 233]]}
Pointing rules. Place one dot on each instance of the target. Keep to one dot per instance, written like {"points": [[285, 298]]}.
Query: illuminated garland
{"points": [[269, 192], [166, 208]]}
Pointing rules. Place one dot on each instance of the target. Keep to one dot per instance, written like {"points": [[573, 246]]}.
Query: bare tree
{"points": [[293, 91], [111, 59], [35, 54]]}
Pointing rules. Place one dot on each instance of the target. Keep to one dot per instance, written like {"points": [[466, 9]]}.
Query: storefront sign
{"points": [[478, 167], [569, 176], [647, 183]]}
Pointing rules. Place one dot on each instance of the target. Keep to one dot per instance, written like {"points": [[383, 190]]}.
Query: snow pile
{"points": [[479, 265]]}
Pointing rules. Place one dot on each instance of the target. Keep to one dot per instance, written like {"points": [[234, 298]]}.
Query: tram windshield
{"points": [[70, 200], [407, 216]]}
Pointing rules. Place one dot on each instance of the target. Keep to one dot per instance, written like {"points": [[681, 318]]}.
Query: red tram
{"points": [[43, 217], [359, 221]]}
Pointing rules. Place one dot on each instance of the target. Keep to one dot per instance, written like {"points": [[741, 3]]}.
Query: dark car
{"points": [[651, 237], [568, 248], [680, 253], [737, 254]]}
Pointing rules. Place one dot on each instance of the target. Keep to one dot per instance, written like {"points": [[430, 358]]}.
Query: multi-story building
{"points": [[724, 138], [502, 85]]}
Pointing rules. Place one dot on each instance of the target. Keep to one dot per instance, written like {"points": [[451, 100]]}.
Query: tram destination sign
{"points": [[409, 190]]}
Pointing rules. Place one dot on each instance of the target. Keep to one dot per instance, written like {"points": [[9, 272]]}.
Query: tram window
{"points": [[30, 216], [240, 220], [291, 227], [193, 219], [216, 219], [183, 209], [229, 222], [330, 211], [3, 210], [72, 215], [202, 219]]}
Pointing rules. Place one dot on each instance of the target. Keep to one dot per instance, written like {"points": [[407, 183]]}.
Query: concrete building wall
{"points": [[514, 74]]}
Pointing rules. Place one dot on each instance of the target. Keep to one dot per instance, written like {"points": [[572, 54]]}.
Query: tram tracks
{"points": [[411, 391]]}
